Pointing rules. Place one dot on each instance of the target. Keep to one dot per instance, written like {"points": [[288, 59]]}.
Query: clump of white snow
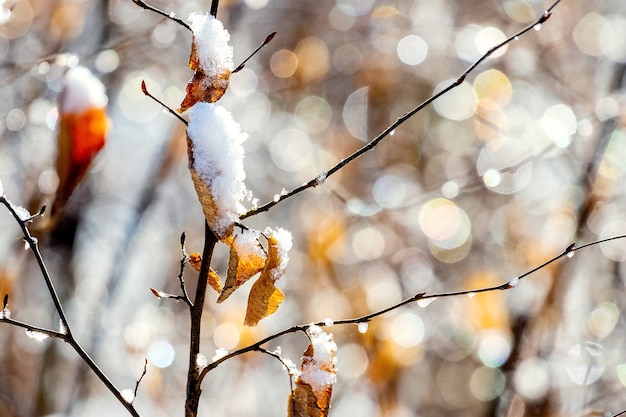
{"points": [[82, 91], [216, 159], [283, 237], [247, 244], [211, 41], [319, 370]]}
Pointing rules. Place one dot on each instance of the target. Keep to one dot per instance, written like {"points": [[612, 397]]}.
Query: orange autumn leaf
{"points": [[82, 130], [195, 260], [264, 297], [210, 59], [263, 300], [204, 88], [214, 281], [314, 385], [247, 258]]}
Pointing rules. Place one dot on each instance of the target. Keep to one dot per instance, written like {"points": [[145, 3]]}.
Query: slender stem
{"points": [[144, 90], [214, 5], [508, 285], [170, 16], [267, 40], [50, 333], [68, 336], [369, 146], [194, 380]]}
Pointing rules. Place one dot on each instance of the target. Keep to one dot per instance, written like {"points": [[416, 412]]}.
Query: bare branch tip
{"points": [[269, 38]]}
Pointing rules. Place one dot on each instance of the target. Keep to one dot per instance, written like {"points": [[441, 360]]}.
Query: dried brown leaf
{"points": [[203, 87], [243, 264]]}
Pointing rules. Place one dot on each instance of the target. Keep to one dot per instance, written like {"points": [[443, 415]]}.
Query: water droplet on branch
{"points": [[38, 336], [128, 395], [362, 327], [425, 302]]}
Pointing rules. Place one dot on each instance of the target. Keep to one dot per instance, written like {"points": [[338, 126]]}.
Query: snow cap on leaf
{"points": [[82, 129], [318, 373], [211, 59], [214, 143]]}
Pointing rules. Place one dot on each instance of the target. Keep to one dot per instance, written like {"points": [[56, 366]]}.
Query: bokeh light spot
{"points": [[532, 378], [407, 329], [494, 348], [283, 63], [458, 104], [368, 243], [226, 336], [161, 354], [389, 191], [493, 89], [313, 114], [603, 319], [313, 58], [412, 50], [585, 363]]}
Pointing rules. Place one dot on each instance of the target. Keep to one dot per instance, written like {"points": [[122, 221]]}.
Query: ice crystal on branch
{"points": [[216, 162]]}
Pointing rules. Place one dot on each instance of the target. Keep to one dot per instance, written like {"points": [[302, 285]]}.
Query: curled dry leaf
{"points": [[195, 260], [203, 87], [314, 385], [247, 258], [210, 59], [263, 300], [264, 297]]}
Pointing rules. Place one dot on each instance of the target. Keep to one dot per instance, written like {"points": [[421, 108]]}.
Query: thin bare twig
{"points": [[214, 6], [144, 90], [145, 369], [181, 279], [170, 16], [319, 180], [34, 329], [68, 337], [510, 284], [265, 42], [282, 361]]}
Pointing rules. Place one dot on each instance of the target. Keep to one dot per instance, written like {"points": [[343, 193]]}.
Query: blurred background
{"points": [[504, 172]]}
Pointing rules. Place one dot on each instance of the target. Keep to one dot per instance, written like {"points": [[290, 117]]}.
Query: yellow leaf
{"points": [[214, 281], [195, 260], [247, 258], [264, 297], [263, 300]]}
